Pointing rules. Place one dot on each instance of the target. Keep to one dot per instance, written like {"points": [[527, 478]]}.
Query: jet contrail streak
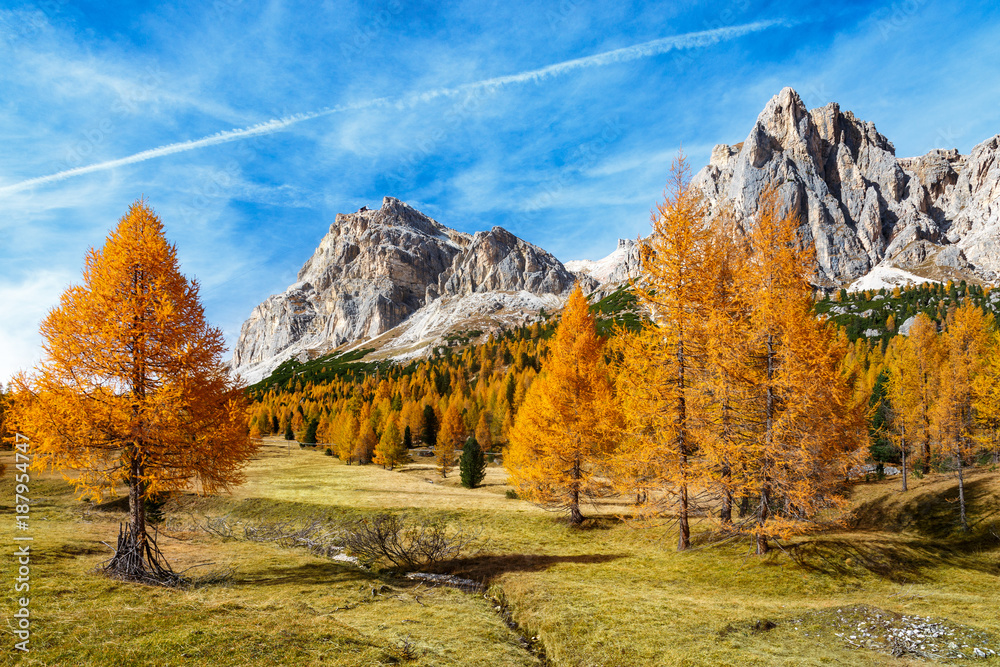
{"points": [[692, 40]]}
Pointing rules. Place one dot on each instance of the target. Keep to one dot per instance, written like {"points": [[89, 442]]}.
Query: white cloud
{"points": [[692, 40], [25, 304]]}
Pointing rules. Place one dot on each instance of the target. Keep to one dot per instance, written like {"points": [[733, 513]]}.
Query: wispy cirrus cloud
{"points": [[690, 40]]}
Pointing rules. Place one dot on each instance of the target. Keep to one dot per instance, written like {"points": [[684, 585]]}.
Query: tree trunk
{"points": [[763, 512], [575, 516], [137, 502], [684, 534], [961, 495], [924, 422], [744, 506], [902, 449], [726, 513]]}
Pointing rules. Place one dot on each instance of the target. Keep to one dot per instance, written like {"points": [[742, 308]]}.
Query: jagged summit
{"points": [[496, 260], [860, 205], [375, 268]]}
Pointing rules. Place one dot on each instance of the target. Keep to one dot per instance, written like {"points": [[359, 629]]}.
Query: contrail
{"points": [[691, 40]]}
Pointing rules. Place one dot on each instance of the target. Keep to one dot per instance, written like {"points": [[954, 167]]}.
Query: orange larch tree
{"points": [[929, 355], [451, 434], [131, 388], [801, 430], [563, 431], [719, 390], [389, 451], [965, 341], [660, 364], [986, 398]]}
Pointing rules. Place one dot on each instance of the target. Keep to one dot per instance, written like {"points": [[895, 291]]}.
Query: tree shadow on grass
{"points": [[485, 569], [932, 514], [928, 537], [308, 573]]}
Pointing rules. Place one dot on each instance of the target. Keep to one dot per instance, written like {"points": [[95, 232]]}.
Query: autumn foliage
{"points": [[565, 429], [732, 386], [131, 389], [732, 399]]}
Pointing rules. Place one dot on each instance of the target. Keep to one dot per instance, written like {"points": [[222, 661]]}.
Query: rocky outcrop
{"points": [[615, 270], [370, 272], [375, 269], [859, 205], [498, 261]]}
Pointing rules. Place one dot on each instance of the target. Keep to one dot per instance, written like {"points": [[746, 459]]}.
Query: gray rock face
{"points": [[612, 272], [369, 273], [498, 261], [374, 269], [860, 206]]}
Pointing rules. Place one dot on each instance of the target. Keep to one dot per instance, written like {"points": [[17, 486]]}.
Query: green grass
{"points": [[321, 369], [618, 310], [607, 594]]}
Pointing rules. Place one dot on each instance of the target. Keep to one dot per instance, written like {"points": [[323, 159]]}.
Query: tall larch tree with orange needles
{"points": [[389, 451], [905, 397], [719, 390], [660, 364], [563, 431], [986, 398], [801, 429], [929, 356], [131, 389], [483, 435], [965, 341]]}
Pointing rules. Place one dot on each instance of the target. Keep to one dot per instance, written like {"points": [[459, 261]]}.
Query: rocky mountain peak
{"points": [[859, 205], [374, 269], [498, 261]]}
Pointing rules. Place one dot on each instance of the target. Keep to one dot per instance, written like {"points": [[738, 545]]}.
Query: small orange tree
{"points": [[451, 434], [563, 430], [389, 451], [131, 389]]}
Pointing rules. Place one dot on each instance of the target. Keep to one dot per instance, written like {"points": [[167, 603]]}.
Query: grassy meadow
{"points": [[607, 594]]}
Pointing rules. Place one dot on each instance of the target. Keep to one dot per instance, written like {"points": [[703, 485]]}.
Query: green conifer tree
{"points": [[472, 464]]}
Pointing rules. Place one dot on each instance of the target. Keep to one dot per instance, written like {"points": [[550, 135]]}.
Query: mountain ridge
{"points": [[396, 279]]}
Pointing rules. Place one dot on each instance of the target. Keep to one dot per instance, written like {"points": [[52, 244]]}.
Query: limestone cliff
{"points": [[859, 204], [375, 269]]}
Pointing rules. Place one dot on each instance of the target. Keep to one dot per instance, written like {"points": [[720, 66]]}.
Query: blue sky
{"points": [[557, 120]]}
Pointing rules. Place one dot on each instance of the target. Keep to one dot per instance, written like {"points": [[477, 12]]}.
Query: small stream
{"points": [[495, 597]]}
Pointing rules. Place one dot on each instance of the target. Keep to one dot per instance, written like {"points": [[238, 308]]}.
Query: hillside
{"points": [[567, 590], [881, 314]]}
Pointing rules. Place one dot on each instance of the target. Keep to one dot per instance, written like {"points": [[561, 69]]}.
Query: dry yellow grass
{"points": [[608, 594]]}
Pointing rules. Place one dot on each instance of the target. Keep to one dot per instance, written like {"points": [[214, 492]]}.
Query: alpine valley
{"points": [[397, 282]]}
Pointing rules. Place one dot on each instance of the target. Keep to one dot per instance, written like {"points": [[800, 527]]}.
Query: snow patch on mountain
{"points": [[886, 277]]}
